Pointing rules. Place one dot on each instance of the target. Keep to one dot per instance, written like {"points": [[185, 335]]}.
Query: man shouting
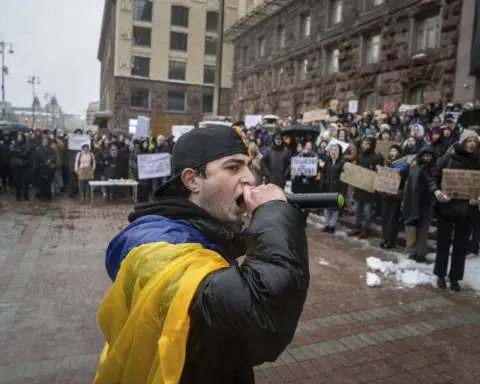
{"points": [[181, 309]]}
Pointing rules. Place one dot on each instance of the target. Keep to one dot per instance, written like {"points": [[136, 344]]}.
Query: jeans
{"points": [[83, 187], [58, 181], [331, 217], [363, 214]]}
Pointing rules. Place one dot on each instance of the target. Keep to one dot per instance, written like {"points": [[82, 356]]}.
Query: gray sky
{"points": [[57, 40]]}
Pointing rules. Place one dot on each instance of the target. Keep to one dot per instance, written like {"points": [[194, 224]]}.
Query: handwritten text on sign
{"points": [[304, 166], [358, 177], [461, 184], [387, 180], [154, 165]]}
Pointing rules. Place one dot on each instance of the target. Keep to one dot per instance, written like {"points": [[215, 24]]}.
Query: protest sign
{"points": [[389, 107], [358, 177], [304, 166], [315, 115], [154, 165], [252, 120], [340, 143], [143, 125], [383, 147], [179, 130], [333, 104], [461, 184], [76, 142], [353, 106], [387, 180]]}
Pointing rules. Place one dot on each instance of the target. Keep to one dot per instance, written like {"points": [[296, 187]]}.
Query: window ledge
{"points": [[141, 109]]}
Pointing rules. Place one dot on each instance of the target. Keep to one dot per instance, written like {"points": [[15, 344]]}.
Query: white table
{"points": [[114, 183]]}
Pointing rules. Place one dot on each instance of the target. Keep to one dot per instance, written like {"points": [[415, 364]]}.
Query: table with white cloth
{"points": [[114, 183]]}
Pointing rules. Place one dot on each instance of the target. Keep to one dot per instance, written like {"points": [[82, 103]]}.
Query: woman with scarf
{"points": [[46, 163], [391, 203]]}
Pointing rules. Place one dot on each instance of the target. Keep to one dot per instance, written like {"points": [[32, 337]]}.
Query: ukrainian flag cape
{"points": [[144, 315]]}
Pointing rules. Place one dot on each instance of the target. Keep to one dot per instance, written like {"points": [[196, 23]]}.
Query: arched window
{"points": [[179, 16], [417, 94], [367, 101]]}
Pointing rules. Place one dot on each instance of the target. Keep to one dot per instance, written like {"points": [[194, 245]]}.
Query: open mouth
{"points": [[240, 201]]}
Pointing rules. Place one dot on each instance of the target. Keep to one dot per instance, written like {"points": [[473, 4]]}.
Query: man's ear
{"points": [[190, 180]]}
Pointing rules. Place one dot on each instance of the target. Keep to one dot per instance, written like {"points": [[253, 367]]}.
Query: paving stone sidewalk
{"points": [[52, 278]]}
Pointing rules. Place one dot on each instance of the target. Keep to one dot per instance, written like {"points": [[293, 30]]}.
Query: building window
{"points": [[241, 88], [140, 66], [367, 102], [142, 36], [371, 4], [244, 55], [212, 21], [332, 61], [302, 70], [140, 97], [281, 37], [336, 12], [142, 10], [255, 83], [207, 103], [210, 47], [277, 78], [305, 25], [261, 46], [178, 41], [417, 95], [177, 70], [372, 49], [176, 101], [426, 33], [209, 74], [179, 16]]}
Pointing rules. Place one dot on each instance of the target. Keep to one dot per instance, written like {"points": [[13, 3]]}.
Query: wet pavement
{"points": [[52, 279]]}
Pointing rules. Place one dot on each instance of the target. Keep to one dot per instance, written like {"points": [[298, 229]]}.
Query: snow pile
{"points": [[323, 262], [472, 274], [373, 280], [406, 272]]}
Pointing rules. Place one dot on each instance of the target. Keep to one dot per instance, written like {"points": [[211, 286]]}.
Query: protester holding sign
{"points": [[391, 202], [276, 163], [454, 215]]}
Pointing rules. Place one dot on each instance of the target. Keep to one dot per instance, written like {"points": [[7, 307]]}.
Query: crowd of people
{"points": [[43, 162], [428, 135]]}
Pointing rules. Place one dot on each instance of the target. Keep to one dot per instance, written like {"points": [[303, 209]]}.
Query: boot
{"points": [[354, 232], [441, 283], [454, 286], [364, 233]]}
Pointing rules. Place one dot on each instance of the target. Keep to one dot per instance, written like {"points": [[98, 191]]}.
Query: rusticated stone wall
{"points": [[392, 78]]}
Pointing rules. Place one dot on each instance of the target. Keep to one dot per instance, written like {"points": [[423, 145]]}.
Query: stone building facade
{"points": [[158, 58], [304, 54]]}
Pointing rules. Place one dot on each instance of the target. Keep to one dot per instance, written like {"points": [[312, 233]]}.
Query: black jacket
{"points": [[20, 155], [276, 165], [330, 176], [456, 158], [369, 160], [244, 315]]}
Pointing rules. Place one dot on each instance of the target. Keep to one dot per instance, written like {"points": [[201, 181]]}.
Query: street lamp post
{"points": [[3, 46], [34, 80], [219, 60]]}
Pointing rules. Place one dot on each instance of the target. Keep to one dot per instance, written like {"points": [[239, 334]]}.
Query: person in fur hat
{"points": [[454, 216]]}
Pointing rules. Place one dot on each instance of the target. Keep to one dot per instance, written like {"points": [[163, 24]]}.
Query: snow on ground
{"points": [[405, 272]]}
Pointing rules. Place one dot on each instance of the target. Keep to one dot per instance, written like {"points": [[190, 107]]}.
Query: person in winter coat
{"points": [[330, 182], [45, 163], [391, 204], [418, 201], [276, 163], [161, 146], [5, 162], [143, 185], [85, 170], [21, 157], [112, 169], [364, 200], [181, 309], [305, 183], [438, 143], [454, 215]]}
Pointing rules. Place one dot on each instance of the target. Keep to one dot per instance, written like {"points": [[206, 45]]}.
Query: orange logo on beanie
{"points": [[244, 138]]}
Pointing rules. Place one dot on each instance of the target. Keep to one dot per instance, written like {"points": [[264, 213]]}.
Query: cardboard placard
{"points": [[315, 115], [333, 105], [387, 180], [461, 184], [359, 177], [383, 147]]}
